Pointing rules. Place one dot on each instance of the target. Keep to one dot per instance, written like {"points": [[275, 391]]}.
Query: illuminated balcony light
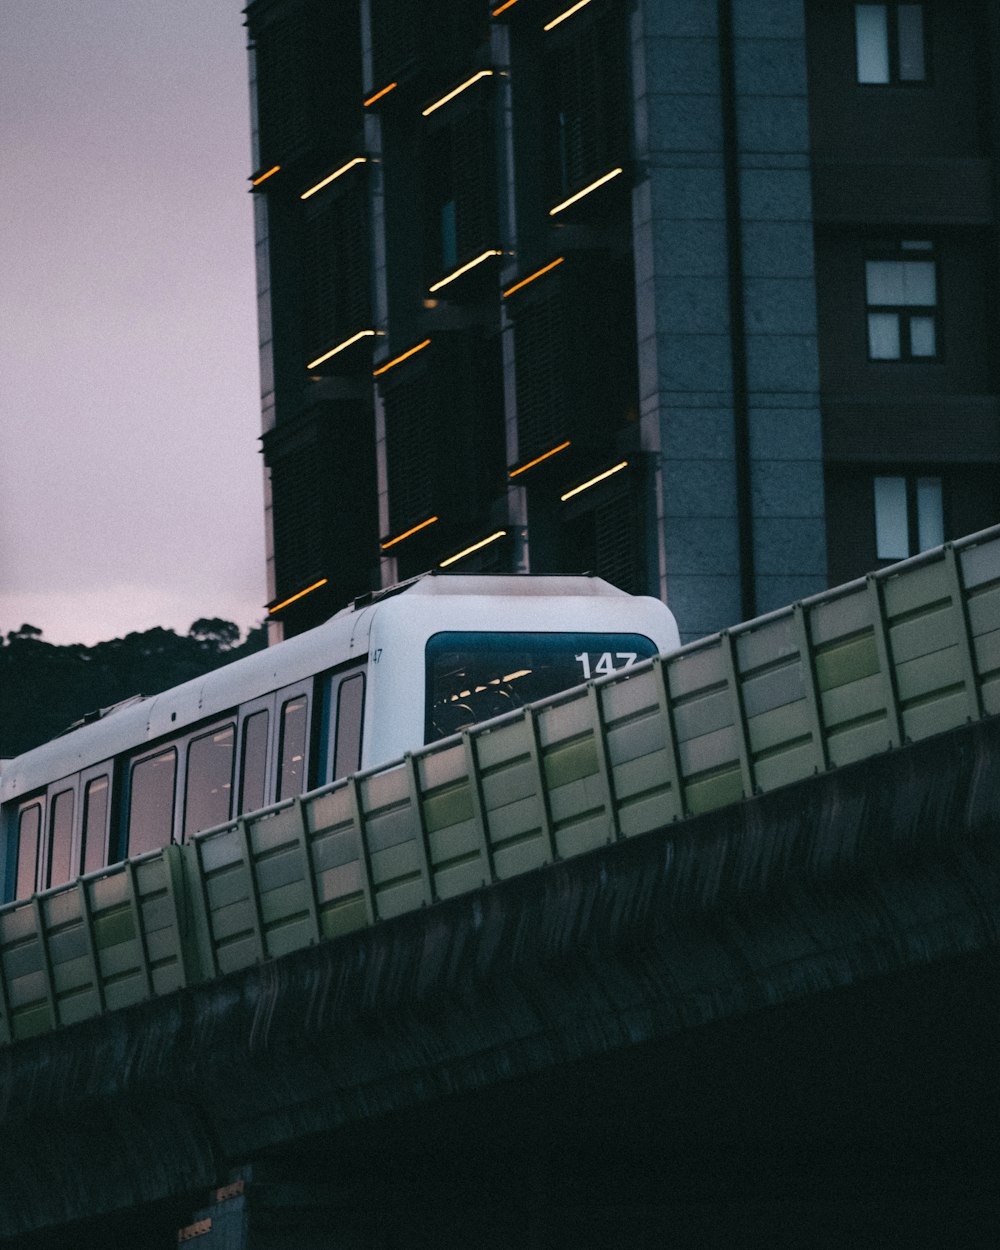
{"points": [[397, 360], [532, 276], [593, 481], [465, 269], [467, 551], [379, 94], [538, 459], [586, 190], [361, 334], [569, 13], [255, 182], [414, 530], [500, 7], [357, 160], [483, 73], [323, 581]]}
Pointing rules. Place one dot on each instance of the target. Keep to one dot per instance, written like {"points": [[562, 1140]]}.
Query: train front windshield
{"points": [[472, 677]]}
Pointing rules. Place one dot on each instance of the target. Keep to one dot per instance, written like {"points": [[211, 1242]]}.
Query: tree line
{"points": [[44, 688]]}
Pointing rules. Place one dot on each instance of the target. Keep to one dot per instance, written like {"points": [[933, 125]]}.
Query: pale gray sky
{"points": [[130, 479]]}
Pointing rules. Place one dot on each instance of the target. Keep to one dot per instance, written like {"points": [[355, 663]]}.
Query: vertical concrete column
{"points": [[778, 297], [728, 364], [683, 314], [380, 276]]}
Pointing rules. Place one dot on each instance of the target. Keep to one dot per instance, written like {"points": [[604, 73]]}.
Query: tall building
{"points": [[697, 295]]}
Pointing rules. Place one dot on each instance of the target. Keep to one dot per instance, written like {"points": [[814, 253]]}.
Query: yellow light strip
{"points": [[500, 7], [291, 599], [483, 73], [569, 13], [538, 459], [379, 94], [255, 182], [391, 364], [532, 276], [586, 190], [484, 542], [357, 160], [465, 269], [593, 481], [399, 537], [361, 334]]}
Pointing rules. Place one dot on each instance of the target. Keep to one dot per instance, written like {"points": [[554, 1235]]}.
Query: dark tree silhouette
{"points": [[213, 632], [44, 688]]}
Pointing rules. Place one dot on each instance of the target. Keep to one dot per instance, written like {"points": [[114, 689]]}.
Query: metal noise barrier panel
{"points": [[903, 654]]}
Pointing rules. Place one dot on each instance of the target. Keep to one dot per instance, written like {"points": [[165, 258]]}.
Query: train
{"points": [[395, 670]]}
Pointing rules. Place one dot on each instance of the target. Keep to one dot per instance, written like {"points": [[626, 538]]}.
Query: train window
{"points": [[253, 768], [95, 824], [291, 765], [29, 827], [472, 677], [350, 702], [209, 780], [60, 866], [151, 802]]}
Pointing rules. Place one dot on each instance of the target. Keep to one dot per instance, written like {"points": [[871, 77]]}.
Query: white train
{"points": [[397, 669]]}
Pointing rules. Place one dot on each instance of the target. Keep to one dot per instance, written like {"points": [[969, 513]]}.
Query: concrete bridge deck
{"points": [[777, 1016]]}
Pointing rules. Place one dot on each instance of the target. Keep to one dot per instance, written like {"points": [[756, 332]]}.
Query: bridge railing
{"points": [[908, 652]]}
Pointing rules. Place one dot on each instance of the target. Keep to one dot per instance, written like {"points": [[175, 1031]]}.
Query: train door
{"points": [[208, 756], [56, 858], [274, 757], [342, 722], [291, 764], [92, 850], [29, 821], [255, 731], [150, 799]]}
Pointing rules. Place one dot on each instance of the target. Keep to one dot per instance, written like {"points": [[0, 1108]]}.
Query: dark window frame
{"points": [[893, 55], [904, 251], [460, 186], [911, 478], [585, 123]]}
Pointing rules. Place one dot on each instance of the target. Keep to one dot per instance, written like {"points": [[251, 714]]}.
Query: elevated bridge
{"points": [[718, 936]]}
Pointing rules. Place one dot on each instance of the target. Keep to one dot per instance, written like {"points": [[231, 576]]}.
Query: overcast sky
{"points": [[130, 479]]}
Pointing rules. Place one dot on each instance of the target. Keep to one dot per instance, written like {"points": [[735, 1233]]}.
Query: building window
{"points": [[585, 102], [890, 42], [909, 515], [901, 295], [335, 278], [460, 207]]}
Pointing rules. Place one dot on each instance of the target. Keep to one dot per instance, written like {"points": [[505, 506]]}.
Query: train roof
{"points": [[337, 641]]}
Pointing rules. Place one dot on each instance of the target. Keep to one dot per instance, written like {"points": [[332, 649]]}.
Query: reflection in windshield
{"points": [[472, 677]]}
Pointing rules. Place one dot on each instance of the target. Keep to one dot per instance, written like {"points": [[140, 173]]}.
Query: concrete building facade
{"points": [[697, 295]]}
